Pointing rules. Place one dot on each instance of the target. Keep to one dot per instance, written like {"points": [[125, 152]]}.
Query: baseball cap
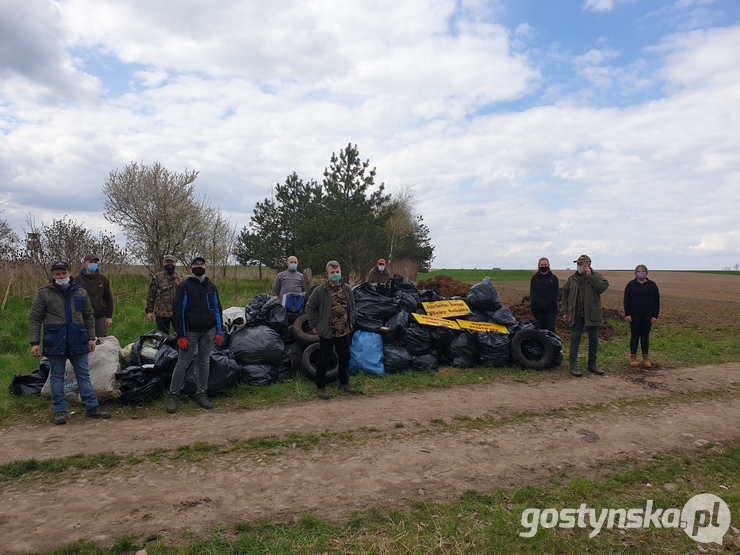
{"points": [[60, 266], [583, 258], [381, 261], [196, 258], [91, 258], [169, 258]]}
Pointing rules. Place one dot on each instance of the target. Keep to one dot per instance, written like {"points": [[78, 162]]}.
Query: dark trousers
{"points": [[640, 328], [327, 346], [575, 341], [545, 320], [163, 324]]}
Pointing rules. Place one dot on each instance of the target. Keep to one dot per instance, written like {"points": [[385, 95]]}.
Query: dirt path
{"points": [[378, 467]]}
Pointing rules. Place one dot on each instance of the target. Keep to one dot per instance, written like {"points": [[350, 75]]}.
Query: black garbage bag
{"points": [[166, 360], [429, 295], [494, 348], [139, 385], [256, 345], [265, 309], [408, 301], [396, 325], [441, 336], [259, 374], [557, 347], [224, 373], [28, 384], [502, 316], [369, 302], [475, 316], [484, 296], [290, 362], [396, 359], [425, 362], [367, 323], [461, 352], [417, 340]]}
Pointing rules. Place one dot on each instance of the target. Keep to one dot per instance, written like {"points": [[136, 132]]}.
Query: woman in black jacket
{"points": [[544, 288], [641, 309]]}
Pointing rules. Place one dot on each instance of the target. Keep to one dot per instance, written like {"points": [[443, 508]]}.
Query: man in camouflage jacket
{"points": [[162, 293]]}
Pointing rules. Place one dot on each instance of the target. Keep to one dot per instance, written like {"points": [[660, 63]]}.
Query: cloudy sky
{"points": [[525, 128]]}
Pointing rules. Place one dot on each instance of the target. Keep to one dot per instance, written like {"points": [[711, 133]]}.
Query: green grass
{"points": [[477, 275], [486, 522]]}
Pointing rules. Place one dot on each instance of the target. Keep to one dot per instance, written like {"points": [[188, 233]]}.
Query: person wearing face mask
{"points": [[582, 309], [196, 316], [331, 316], [288, 281], [101, 295], [543, 288], [379, 274], [162, 293], [63, 307], [641, 309]]}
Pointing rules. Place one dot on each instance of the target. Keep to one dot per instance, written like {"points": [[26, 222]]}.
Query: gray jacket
{"points": [[318, 309]]}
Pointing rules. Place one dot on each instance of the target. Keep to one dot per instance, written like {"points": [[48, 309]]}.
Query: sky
{"points": [[524, 128]]}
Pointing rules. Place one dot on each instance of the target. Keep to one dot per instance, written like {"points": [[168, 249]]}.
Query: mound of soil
{"points": [[445, 286]]}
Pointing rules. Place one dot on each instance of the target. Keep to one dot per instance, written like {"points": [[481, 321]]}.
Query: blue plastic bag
{"points": [[366, 353]]}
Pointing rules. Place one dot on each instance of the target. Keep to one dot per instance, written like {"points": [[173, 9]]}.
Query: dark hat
{"points": [[196, 258], [60, 266], [169, 258], [91, 258], [381, 261], [582, 258]]}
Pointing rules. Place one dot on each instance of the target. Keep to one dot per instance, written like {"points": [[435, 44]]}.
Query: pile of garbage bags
{"points": [[259, 346]]}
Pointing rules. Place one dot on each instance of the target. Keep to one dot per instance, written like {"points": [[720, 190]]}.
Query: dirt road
{"points": [[379, 450]]}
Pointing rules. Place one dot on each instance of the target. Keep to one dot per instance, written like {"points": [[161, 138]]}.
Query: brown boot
{"points": [[633, 361], [646, 361]]}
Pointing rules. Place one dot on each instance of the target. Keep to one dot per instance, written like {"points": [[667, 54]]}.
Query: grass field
{"points": [[496, 276]]}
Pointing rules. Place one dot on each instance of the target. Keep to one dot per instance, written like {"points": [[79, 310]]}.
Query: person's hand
{"points": [[36, 350], [150, 316], [91, 345], [653, 320], [108, 322], [218, 339], [315, 331], [628, 318], [182, 343], [587, 270], [565, 318]]}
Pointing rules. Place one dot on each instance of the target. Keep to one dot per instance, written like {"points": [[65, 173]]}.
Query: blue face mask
{"points": [[92, 266], [335, 278], [292, 266], [381, 268]]}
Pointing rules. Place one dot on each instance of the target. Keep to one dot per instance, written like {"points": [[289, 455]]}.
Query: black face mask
{"points": [[544, 269], [198, 271], [169, 269]]}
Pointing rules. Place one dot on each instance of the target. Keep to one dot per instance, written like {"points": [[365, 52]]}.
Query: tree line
{"points": [[345, 217]]}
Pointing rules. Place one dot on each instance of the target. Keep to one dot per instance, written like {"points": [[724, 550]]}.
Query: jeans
{"points": [[640, 328], [82, 373], [545, 320], [203, 341], [575, 340], [341, 345]]}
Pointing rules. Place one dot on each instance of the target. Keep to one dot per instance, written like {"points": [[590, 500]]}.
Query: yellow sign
{"points": [[482, 326], [446, 309], [433, 321]]}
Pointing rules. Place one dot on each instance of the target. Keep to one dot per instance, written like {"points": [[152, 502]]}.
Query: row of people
{"points": [[581, 308]]}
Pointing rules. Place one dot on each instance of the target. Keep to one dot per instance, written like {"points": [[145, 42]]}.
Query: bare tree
{"points": [[214, 239], [158, 210]]}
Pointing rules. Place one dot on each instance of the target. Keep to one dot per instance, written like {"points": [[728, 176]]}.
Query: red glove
{"points": [[218, 339], [182, 343]]}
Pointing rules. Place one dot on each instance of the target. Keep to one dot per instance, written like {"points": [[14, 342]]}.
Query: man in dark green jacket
{"points": [[64, 310], [582, 308], [331, 316], [99, 290]]}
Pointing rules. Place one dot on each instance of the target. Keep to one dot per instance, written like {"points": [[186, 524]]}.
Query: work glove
{"points": [[182, 343], [218, 339]]}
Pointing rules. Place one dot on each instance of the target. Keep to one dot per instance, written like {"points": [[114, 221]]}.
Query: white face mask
{"points": [[580, 269], [62, 282]]}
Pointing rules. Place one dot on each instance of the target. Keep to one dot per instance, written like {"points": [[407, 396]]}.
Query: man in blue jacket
{"points": [[63, 307], [196, 316]]}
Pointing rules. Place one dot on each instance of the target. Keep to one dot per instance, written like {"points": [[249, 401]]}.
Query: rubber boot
{"points": [[646, 361], [633, 361]]}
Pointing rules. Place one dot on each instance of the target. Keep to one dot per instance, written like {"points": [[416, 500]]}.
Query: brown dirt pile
{"points": [[445, 286]]}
